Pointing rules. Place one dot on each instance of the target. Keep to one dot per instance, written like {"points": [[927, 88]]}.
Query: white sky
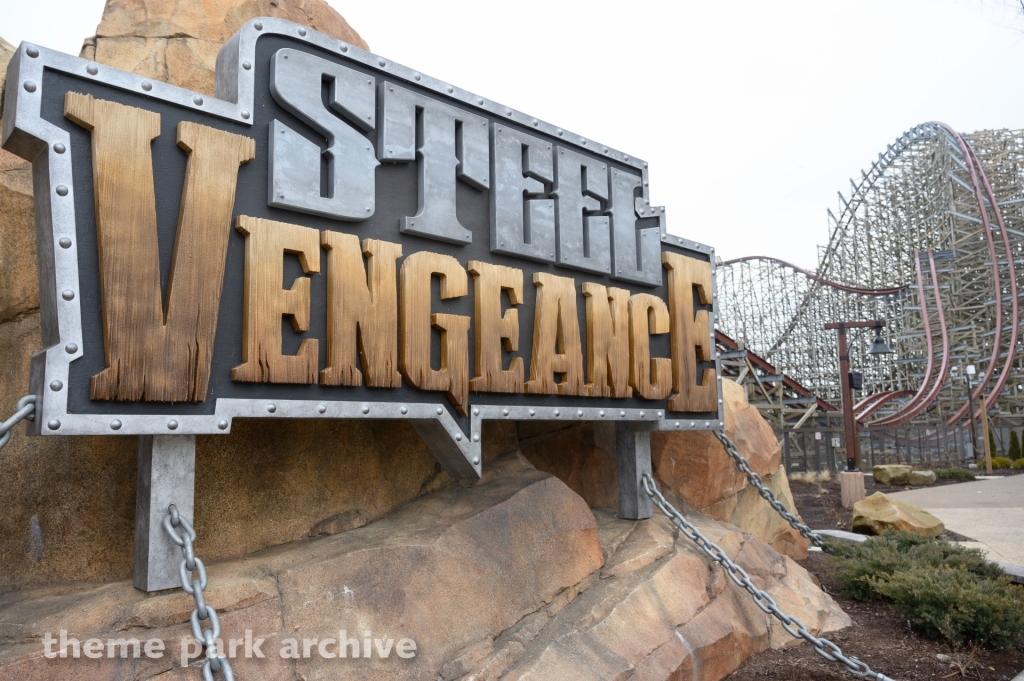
{"points": [[752, 113]]}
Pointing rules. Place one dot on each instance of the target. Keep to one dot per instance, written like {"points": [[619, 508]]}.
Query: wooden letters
{"points": [[151, 353], [607, 341], [266, 242], [362, 311], [494, 330], [690, 334], [556, 338], [650, 378], [417, 320]]}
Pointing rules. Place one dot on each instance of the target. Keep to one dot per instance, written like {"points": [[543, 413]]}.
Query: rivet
{"points": [[439, 411], [645, 164], [382, 62], [302, 31], [321, 408], [622, 414], [560, 132], [508, 112], [222, 424], [258, 25], [172, 425], [54, 424], [601, 413], [197, 100], [625, 158], [476, 411], [641, 414], [92, 70], [450, 89], [404, 410], [147, 86], [115, 424], [62, 190], [246, 65], [677, 424], [56, 386], [579, 412], [458, 437], [583, 142], [344, 48], [476, 437], [558, 412], [68, 294], [65, 242], [366, 409], [480, 101], [271, 407], [32, 52], [71, 348], [660, 414], [59, 148], [532, 412], [245, 115], [605, 150], [535, 122], [504, 412], [476, 460], [706, 424]]}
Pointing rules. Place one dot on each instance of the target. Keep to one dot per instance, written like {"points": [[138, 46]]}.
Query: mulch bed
{"points": [[879, 637]]}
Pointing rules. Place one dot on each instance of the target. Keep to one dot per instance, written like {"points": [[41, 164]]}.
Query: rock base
{"points": [[511, 578]]}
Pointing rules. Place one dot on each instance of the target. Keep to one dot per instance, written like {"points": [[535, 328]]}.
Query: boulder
{"points": [[177, 42], [692, 465], [878, 512], [509, 578], [922, 478], [892, 474]]}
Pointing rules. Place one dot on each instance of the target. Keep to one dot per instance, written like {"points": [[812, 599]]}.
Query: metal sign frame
{"points": [[29, 134]]}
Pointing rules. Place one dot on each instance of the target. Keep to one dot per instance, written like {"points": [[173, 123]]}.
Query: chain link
{"points": [[26, 410], [763, 600], [755, 480], [194, 587]]}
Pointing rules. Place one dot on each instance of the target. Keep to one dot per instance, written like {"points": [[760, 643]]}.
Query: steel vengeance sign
{"points": [[338, 236]]}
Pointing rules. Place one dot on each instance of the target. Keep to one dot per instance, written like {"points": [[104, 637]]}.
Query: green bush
{"points": [[956, 605], [942, 588], [954, 474], [1001, 462], [1019, 463], [992, 443], [1014, 453]]}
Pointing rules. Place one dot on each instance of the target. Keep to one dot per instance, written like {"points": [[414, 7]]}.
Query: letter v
{"points": [[383, 650], [154, 354]]}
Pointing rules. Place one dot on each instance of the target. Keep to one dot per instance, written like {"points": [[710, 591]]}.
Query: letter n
{"points": [[156, 353]]}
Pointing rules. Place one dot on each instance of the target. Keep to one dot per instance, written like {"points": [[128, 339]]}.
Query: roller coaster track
{"points": [[992, 222]]}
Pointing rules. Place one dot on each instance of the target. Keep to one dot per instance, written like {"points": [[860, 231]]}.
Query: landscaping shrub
{"points": [[1019, 463], [1014, 453], [944, 589], [954, 474], [1001, 462], [992, 443]]}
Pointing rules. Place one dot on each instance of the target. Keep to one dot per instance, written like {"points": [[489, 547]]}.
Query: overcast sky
{"points": [[752, 113]]}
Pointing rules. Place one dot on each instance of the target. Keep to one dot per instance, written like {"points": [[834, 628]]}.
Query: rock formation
{"points": [[892, 474], [510, 578], [880, 512]]}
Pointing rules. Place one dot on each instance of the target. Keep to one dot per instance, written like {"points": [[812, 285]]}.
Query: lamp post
{"points": [[877, 348], [970, 405]]}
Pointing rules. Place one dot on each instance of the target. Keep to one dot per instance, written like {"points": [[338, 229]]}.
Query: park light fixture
{"points": [[879, 347]]}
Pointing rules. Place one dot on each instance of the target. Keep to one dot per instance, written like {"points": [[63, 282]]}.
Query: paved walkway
{"points": [[989, 511]]}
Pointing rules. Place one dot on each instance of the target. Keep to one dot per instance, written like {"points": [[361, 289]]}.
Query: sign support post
{"points": [[166, 475], [632, 463]]}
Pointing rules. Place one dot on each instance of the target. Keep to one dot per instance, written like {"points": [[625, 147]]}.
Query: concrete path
{"points": [[989, 511]]}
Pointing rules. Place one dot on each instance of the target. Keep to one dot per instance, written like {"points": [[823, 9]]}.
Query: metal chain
{"points": [[195, 587], [755, 480], [793, 626], [26, 410]]}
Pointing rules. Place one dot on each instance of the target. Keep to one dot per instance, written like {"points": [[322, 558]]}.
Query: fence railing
{"points": [[821, 449]]}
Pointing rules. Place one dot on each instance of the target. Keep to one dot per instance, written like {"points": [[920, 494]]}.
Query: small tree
{"points": [[992, 443], [1014, 453]]}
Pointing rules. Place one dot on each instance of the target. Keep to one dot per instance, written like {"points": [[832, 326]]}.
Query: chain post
{"points": [[194, 587], [26, 409], [762, 599], [767, 494]]}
